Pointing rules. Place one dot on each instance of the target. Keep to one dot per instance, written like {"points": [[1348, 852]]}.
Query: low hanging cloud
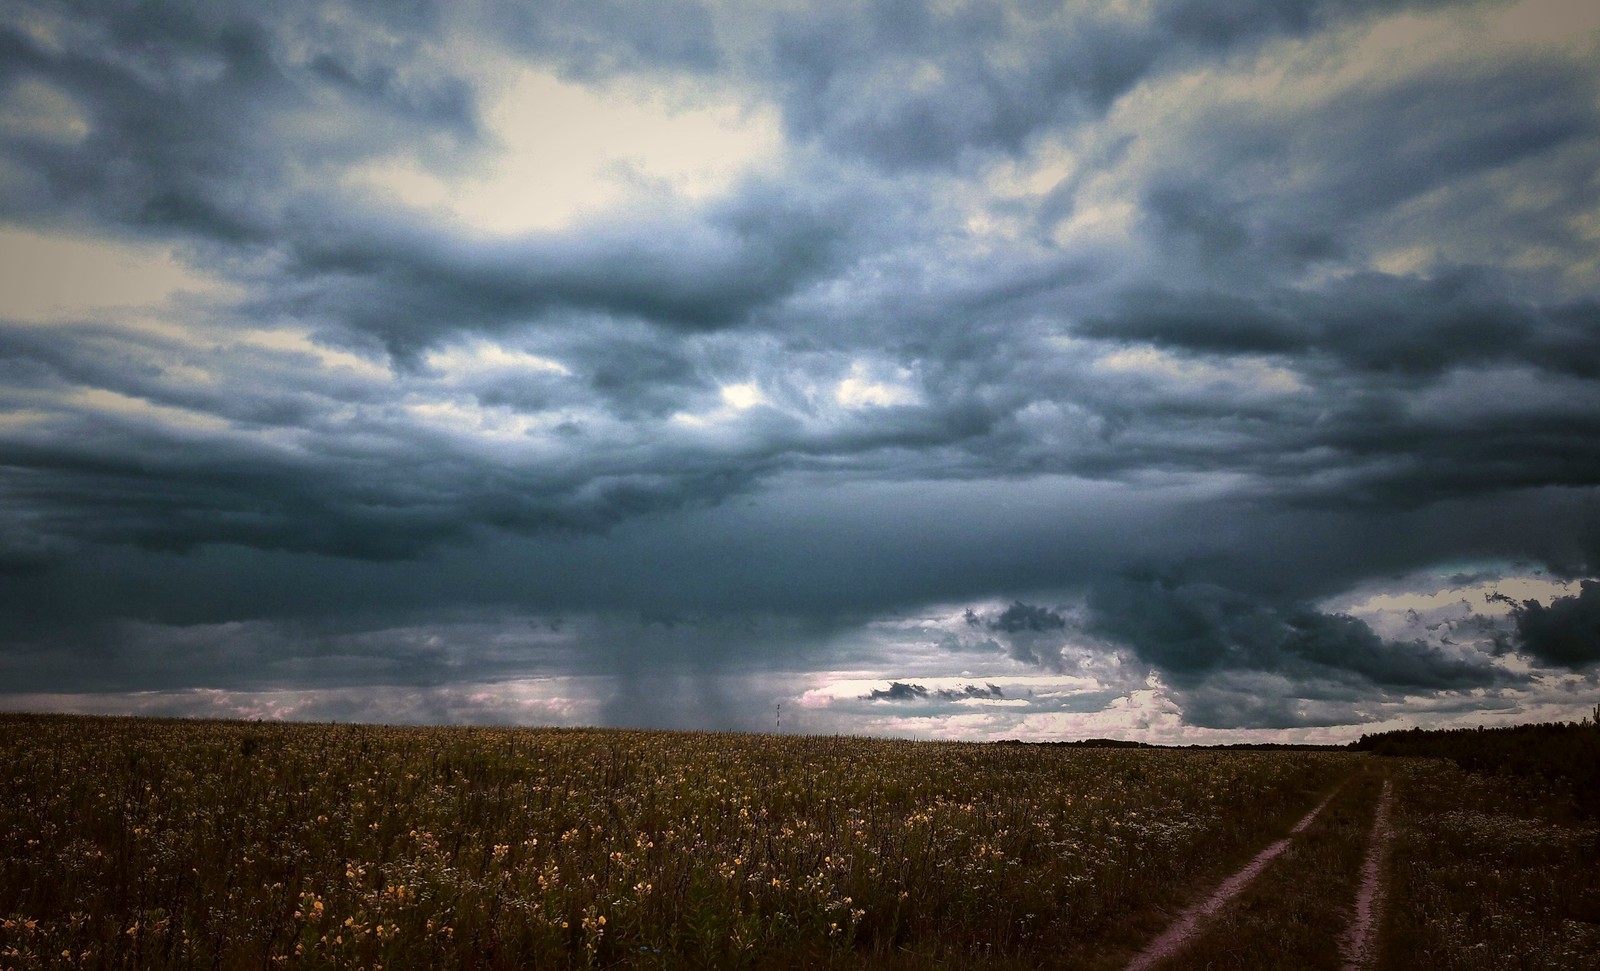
{"points": [[897, 691], [971, 691], [1027, 617], [1567, 632], [1194, 630], [906, 691]]}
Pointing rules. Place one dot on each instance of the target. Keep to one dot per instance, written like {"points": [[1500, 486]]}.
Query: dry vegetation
{"points": [[128, 843], [141, 843]]}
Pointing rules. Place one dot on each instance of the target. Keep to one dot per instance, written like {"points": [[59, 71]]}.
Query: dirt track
{"points": [[1359, 944], [1190, 923]]}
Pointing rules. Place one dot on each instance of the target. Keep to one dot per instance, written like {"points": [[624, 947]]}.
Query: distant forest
{"points": [[1561, 756]]}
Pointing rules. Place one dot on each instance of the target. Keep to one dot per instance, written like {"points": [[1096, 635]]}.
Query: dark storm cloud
{"points": [[1567, 632], [120, 484], [897, 691], [1194, 629], [1275, 343], [710, 271], [1392, 408], [907, 691], [1027, 617], [256, 655], [1323, 168], [192, 110], [911, 85], [970, 691], [1032, 633], [595, 41], [120, 477], [1257, 700], [1456, 319]]}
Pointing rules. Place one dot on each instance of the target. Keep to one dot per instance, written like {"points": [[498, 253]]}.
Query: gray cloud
{"points": [[970, 691], [1260, 700], [909, 86], [1034, 305], [897, 691], [596, 41], [1461, 318], [190, 108], [1567, 632], [1193, 629], [1027, 617], [714, 270]]}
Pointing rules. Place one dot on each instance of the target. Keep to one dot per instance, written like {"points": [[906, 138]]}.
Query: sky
{"points": [[1172, 371]]}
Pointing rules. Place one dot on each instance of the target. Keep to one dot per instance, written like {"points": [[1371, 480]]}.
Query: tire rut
{"points": [[1190, 923], [1359, 944]]}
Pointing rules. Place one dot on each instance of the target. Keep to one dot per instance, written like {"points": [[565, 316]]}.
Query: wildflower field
{"points": [[134, 843]]}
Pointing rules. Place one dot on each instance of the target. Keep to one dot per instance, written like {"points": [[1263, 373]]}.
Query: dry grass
{"points": [[154, 844]]}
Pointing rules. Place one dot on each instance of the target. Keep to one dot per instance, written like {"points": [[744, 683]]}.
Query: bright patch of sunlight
{"points": [[567, 150], [1245, 374], [863, 390], [463, 361], [743, 396], [495, 425], [301, 343], [47, 277], [101, 401]]}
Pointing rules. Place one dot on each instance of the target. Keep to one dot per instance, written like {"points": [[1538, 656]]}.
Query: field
{"points": [[128, 843]]}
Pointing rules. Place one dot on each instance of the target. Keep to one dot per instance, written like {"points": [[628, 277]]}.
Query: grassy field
{"points": [[128, 843]]}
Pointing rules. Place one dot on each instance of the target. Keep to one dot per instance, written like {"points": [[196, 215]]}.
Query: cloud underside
{"points": [[1134, 334]]}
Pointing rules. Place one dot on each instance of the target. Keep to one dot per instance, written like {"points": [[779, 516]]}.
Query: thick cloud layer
{"points": [[688, 354], [1566, 632]]}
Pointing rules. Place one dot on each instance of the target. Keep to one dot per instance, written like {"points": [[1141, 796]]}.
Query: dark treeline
{"points": [[1230, 747], [1082, 743], [1564, 756]]}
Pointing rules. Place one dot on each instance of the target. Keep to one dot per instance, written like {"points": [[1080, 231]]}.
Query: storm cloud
{"points": [[1196, 630], [1027, 617], [898, 691], [662, 368], [1565, 632]]}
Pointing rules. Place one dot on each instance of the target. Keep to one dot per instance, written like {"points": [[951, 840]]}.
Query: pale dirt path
{"points": [[1187, 926], [1361, 937]]}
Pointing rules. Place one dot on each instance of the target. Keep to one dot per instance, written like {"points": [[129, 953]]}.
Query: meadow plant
{"points": [[154, 844]]}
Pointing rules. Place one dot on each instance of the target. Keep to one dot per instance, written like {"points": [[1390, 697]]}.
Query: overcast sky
{"points": [[1176, 371]]}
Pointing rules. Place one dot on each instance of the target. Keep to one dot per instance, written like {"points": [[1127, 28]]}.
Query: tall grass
{"points": [[153, 844], [1490, 873]]}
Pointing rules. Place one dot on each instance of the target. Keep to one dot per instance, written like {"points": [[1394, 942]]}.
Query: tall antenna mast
{"points": [[780, 716]]}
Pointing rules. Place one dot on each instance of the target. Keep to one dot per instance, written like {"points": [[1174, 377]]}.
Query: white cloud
{"points": [[461, 363], [566, 151], [1240, 375], [51, 276], [863, 388], [735, 400], [743, 396]]}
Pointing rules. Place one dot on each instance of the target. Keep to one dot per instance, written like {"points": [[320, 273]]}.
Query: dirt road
{"points": [[1359, 945], [1190, 923]]}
